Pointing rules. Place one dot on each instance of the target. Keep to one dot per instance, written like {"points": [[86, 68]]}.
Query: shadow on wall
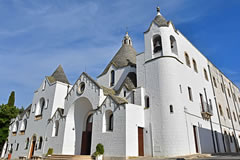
{"points": [[207, 143]]}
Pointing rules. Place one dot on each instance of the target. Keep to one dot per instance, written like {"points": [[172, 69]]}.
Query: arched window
{"points": [[24, 125], [112, 78], [40, 143], [173, 45], [55, 128], [147, 102], [187, 60], [220, 110], [235, 119], [214, 82], [108, 121], [27, 143], [124, 93], [15, 127], [157, 44], [205, 74], [228, 113], [194, 65], [40, 107]]}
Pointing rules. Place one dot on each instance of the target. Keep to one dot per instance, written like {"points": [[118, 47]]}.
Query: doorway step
{"points": [[69, 157]]}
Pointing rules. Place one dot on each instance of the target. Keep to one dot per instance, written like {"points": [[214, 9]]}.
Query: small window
{"points": [[124, 93], [214, 82], [40, 107], [220, 110], [195, 65], [187, 60], [27, 143], [55, 128], [180, 87], [230, 137], [229, 93], [17, 146], [202, 102], [34, 108], [108, 121], [15, 127], [239, 99], [157, 44], [171, 108], [111, 122], [147, 102], [173, 45], [112, 78], [234, 116], [222, 87], [46, 106], [210, 104], [190, 94], [40, 143], [24, 125], [228, 113], [205, 74]]}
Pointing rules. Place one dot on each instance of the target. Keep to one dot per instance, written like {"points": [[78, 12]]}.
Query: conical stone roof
{"points": [[58, 75], [125, 56]]}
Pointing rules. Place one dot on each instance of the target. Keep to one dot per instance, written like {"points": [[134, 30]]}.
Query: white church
{"points": [[169, 100]]}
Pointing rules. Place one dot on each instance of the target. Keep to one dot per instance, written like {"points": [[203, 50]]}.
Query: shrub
{"points": [[49, 152], [100, 148]]}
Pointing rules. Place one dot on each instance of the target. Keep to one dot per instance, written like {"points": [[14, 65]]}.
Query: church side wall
{"points": [[134, 119], [114, 142]]}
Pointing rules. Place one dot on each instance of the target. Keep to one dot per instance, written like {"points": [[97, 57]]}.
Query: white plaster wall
{"points": [[134, 119], [120, 75], [37, 127], [92, 94], [114, 141]]}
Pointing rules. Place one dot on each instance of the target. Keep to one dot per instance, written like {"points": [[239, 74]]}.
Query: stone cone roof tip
{"points": [[59, 75], [125, 56]]}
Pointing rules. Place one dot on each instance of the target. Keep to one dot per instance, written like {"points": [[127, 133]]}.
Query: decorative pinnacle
{"points": [[158, 10]]}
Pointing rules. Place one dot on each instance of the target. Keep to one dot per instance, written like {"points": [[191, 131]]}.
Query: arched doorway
{"points": [[78, 126], [32, 148], [87, 136]]}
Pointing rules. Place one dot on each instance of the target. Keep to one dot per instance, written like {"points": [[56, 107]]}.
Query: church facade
{"points": [[169, 100]]}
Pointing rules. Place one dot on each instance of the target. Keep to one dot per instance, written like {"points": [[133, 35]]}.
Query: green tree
{"points": [[11, 99], [7, 112]]}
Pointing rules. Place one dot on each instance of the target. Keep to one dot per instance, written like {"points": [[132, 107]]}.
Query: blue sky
{"points": [[83, 35]]}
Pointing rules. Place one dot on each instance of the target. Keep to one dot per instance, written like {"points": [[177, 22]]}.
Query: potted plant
{"points": [[49, 152], [99, 152]]}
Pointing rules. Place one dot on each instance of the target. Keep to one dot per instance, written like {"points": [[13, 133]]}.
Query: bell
{"points": [[157, 47]]}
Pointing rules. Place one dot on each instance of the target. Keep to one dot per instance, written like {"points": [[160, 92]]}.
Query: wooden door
{"points": [[32, 149], [140, 142], [195, 138], [87, 138]]}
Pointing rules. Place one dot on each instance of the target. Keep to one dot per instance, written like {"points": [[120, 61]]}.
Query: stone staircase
{"points": [[69, 157]]}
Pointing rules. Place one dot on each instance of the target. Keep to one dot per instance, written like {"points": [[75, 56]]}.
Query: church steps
{"points": [[68, 157]]}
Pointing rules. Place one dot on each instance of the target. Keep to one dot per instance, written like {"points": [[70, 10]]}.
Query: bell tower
{"points": [[160, 38]]}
